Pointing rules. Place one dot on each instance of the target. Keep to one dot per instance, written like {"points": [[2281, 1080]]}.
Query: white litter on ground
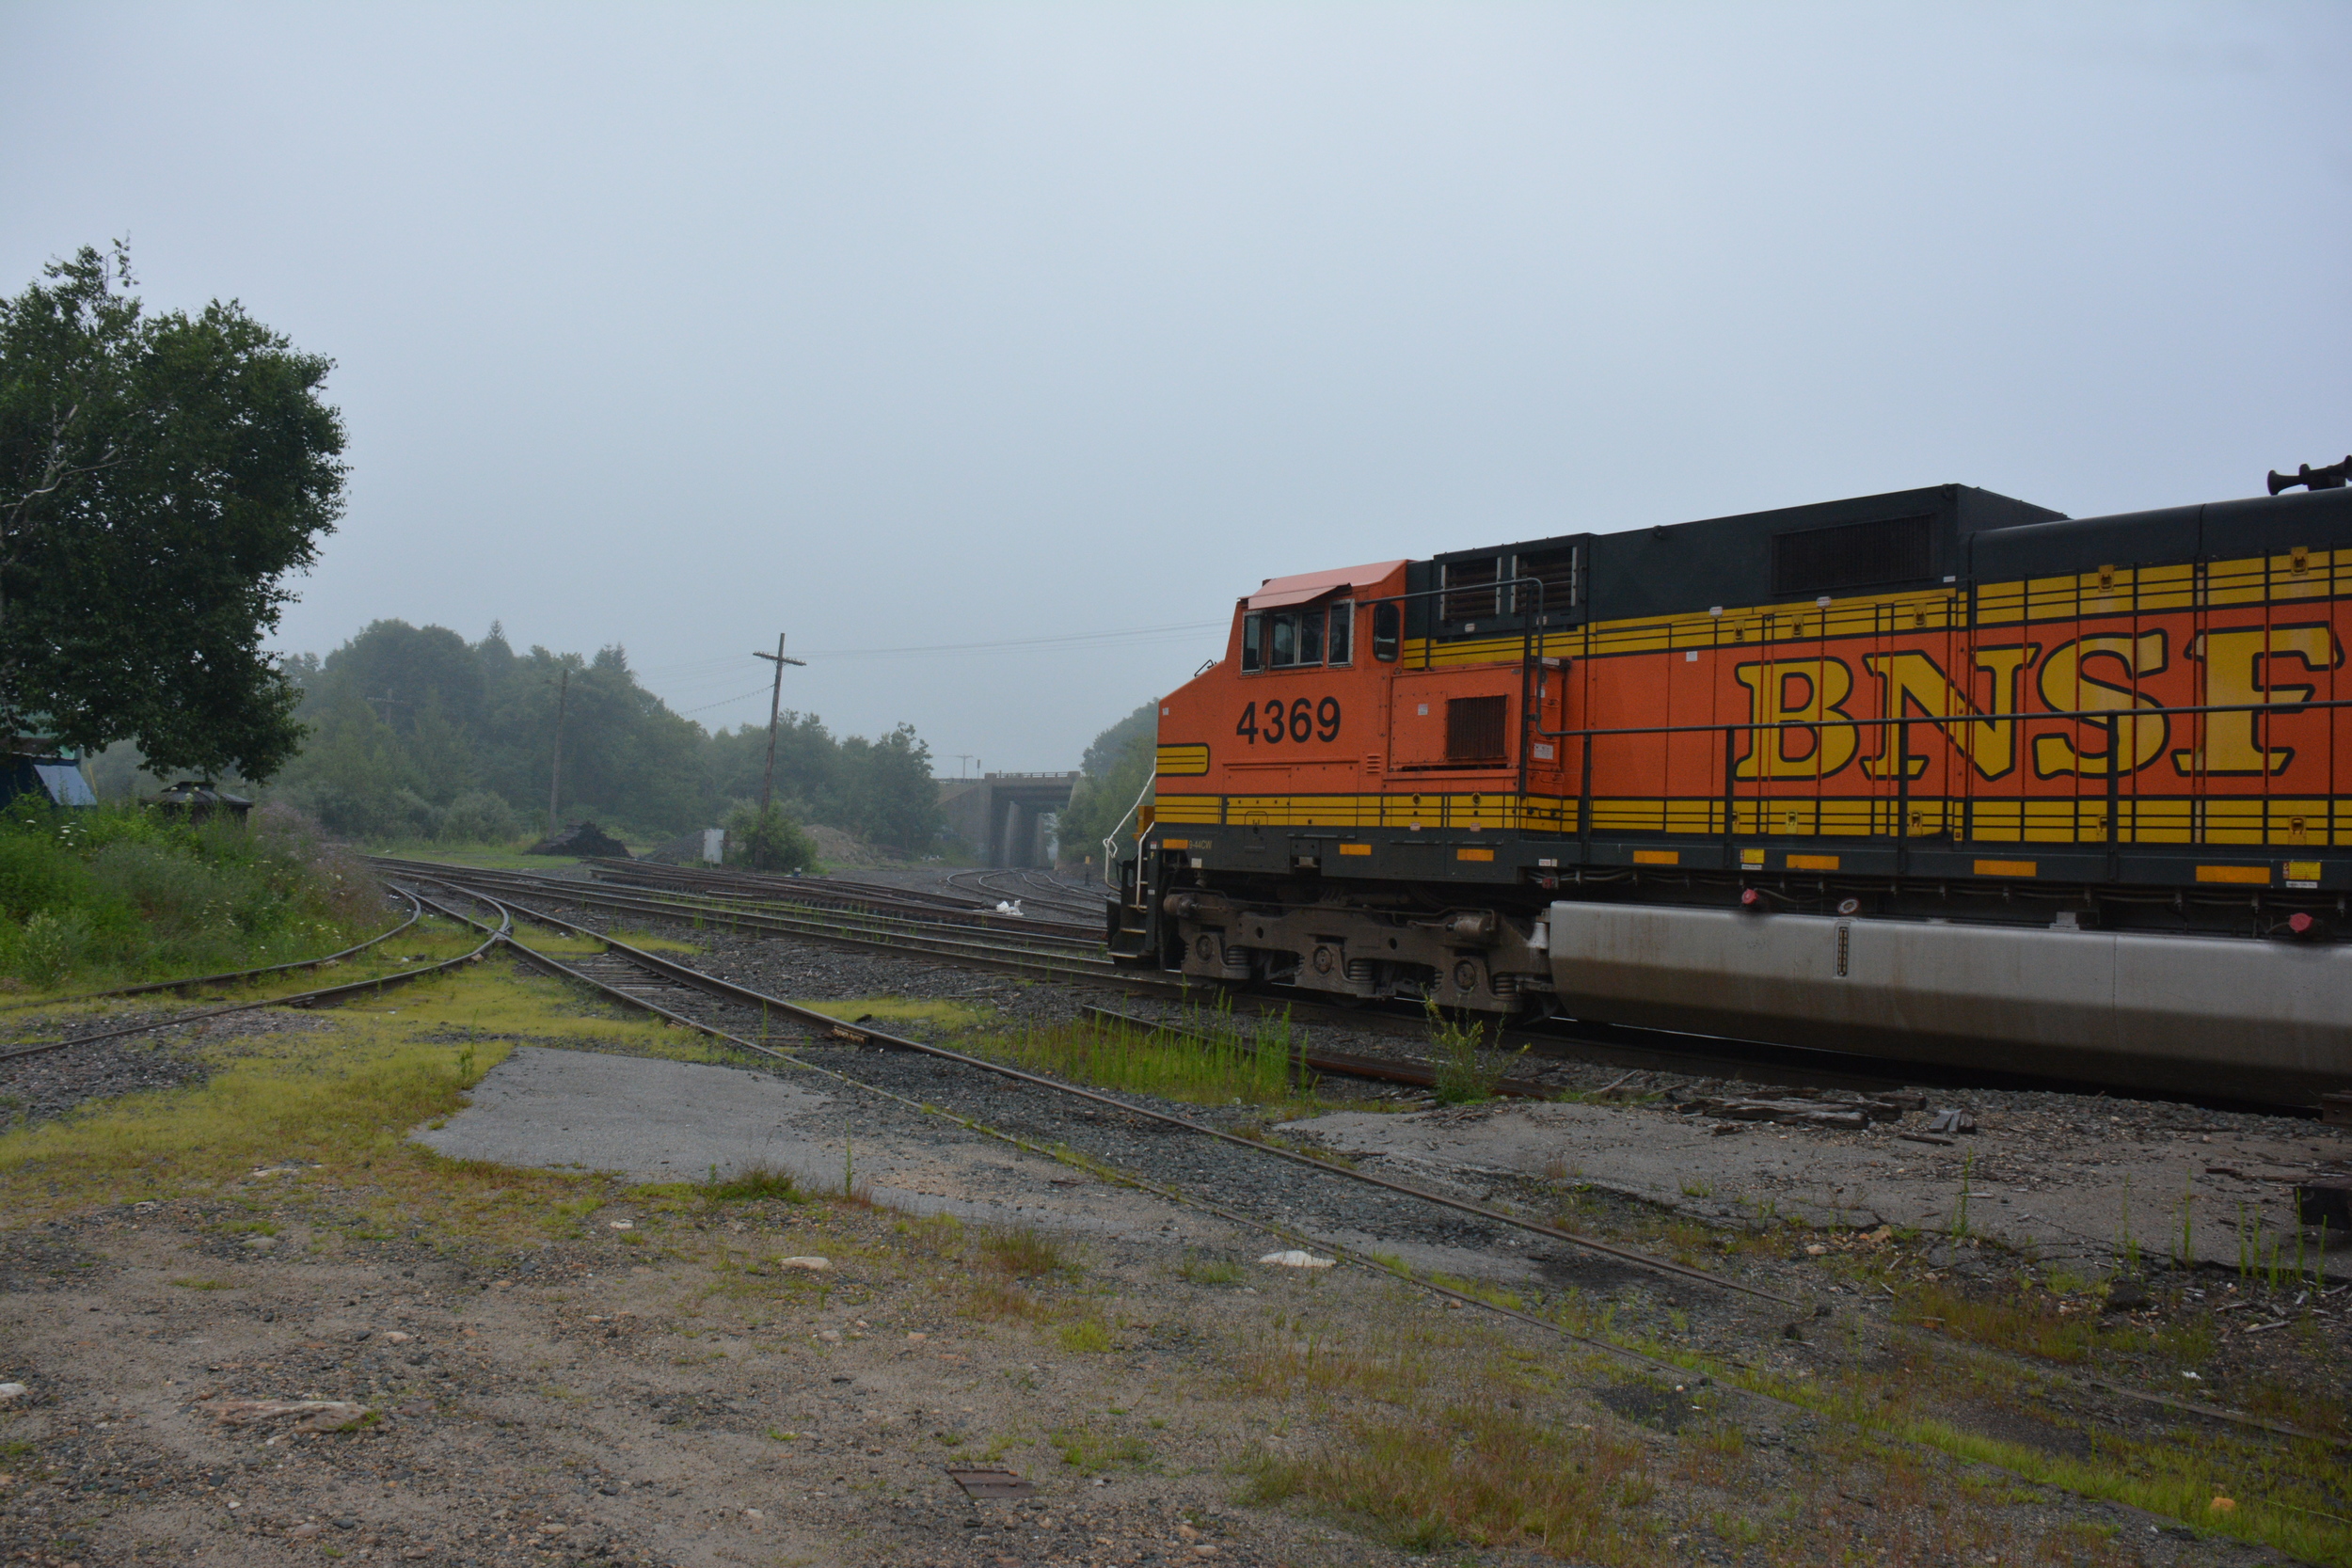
{"points": [[1296, 1260]]}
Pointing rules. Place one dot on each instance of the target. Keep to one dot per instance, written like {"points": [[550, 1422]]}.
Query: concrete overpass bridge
{"points": [[1003, 815]]}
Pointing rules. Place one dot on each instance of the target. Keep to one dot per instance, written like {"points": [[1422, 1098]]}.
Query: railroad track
{"points": [[1026, 949], [321, 997], [231, 977], [1044, 955], [1031, 889], [709, 1005], [761, 889], [638, 978], [1036, 953]]}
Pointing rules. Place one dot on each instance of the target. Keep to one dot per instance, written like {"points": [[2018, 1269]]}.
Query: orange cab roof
{"points": [[1313, 585]]}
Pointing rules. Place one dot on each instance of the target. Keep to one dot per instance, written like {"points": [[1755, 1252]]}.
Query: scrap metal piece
{"points": [[2325, 1201], [986, 1483]]}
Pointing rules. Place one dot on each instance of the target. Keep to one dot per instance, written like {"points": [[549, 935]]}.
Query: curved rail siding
{"points": [[326, 995], [230, 977]]}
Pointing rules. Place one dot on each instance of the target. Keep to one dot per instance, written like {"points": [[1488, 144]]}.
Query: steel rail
{"points": [[825, 892], [1646, 1050], [1012, 959], [1042, 945], [855, 1034], [1616, 1045], [1040, 890], [1074, 933], [1340, 1251], [324, 995], [1098, 1167], [835, 1028], [235, 974]]}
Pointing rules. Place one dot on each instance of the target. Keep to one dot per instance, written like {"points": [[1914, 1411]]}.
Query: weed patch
{"points": [[1208, 1057], [1091, 1450], [1477, 1476], [953, 1016], [754, 1182], [338, 1100], [1211, 1271], [1022, 1255]]}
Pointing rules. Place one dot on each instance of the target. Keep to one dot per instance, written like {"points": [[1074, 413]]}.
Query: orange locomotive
{"points": [[1938, 773]]}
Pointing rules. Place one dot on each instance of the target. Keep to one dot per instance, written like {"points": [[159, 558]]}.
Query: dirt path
{"points": [[547, 1364]]}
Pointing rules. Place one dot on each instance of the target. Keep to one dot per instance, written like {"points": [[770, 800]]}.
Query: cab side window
{"points": [[1387, 632], [1285, 642], [1298, 638]]}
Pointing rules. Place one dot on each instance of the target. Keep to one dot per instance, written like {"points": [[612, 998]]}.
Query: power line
{"points": [[722, 701], [1096, 639]]}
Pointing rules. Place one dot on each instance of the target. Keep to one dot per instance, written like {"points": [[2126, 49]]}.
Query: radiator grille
{"points": [[1474, 728]]}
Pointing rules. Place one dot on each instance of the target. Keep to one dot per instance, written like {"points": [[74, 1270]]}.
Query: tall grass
{"points": [[1205, 1058], [1460, 1081], [1480, 1476], [105, 893]]}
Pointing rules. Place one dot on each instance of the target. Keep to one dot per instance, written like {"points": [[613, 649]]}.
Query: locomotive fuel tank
{"points": [[2268, 1020]]}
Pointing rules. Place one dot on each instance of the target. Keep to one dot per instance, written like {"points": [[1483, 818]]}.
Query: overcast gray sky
{"points": [[676, 327]]}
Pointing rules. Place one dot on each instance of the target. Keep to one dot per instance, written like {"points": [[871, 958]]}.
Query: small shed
{"points": [[201, 803], [54, 778]]}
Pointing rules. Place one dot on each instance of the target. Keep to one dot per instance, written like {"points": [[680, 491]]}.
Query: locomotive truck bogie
{"points": [[1460, 958]]}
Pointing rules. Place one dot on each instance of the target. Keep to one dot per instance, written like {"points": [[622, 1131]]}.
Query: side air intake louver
{"points": [[1853, 555]]}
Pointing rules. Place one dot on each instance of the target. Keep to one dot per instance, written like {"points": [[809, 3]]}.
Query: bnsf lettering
{"points": [[1306, 719]]}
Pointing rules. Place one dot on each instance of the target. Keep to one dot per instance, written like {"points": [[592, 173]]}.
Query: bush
{"points": [[123, 892], [480, 817], [772, 843]]}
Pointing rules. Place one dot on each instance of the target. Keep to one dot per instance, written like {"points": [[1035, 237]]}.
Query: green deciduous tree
{"points": [[1112, 773], [160, 476]]}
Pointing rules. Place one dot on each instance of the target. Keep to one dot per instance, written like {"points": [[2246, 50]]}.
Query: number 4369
{"points": [[1305, 720]]}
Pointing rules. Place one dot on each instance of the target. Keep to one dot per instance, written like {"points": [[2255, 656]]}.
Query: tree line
{"points": [[415, 733]]}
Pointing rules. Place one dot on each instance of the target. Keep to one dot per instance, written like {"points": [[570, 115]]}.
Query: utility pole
{"points": [[767, 776], [389, 703], [555, 781]]}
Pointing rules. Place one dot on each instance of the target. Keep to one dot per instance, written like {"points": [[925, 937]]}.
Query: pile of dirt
{"points": [[844, 851], [580, 838]]}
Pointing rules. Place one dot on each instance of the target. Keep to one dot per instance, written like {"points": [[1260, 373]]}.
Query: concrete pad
{"points": [[2066, 1201], [656, 1121], [672, 1121]]}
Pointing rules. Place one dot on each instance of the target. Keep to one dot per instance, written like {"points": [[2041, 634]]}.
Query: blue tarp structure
{"points": [[56, 780], [65, 784]]}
